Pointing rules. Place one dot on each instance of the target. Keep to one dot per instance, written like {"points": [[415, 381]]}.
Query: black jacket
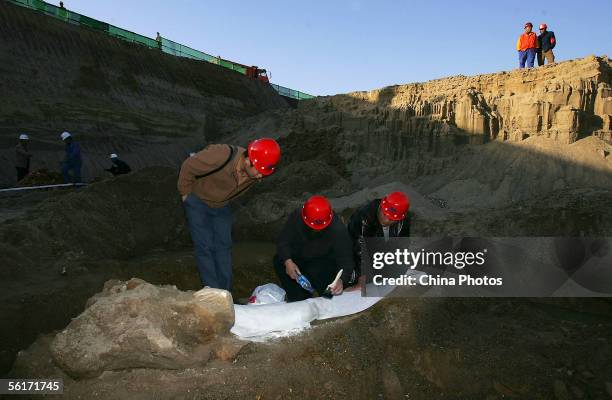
{"points": [[299, 242], [547, 41], [119, 168], [364, 223]]}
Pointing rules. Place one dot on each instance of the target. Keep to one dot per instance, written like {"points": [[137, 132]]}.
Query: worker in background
{"points": [[315, 243], [207, 182], [378, 218], [119, 166], [158, 39], [22, 157], [72, 160], [546, 43], [527, 46]]}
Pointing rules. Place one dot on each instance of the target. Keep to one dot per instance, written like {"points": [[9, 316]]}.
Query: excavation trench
{"points": [[425, 347]]}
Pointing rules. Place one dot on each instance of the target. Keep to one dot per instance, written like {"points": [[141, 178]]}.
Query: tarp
{"points": [[268, 321]]}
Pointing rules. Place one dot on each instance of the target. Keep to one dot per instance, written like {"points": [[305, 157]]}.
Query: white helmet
{"points": [[23, 136], [114, 155], [65, 135], [192, 154]]}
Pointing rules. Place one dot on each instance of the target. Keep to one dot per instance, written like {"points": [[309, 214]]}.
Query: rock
{"points": [[135, 324], [494, 105], [560, 390], [133, 283], [36, 361], [227, 349]]}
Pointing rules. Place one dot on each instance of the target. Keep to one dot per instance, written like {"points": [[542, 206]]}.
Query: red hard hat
{"points": [[264, 154], [317, 212], [543, 26], [395, 206], [528, 24]]}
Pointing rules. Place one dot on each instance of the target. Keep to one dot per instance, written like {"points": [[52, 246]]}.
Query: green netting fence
{"points": [[179, 50], [165, 45]]}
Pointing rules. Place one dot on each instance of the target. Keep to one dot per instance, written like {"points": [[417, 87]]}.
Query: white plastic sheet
{"points": [[251, 322], [268, 321], [269, 293]]}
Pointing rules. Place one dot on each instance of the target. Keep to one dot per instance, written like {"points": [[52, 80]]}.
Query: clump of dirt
{"points": [[41, 177], [118, 218]]}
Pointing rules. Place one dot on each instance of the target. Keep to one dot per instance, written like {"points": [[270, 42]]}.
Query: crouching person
{"points": [[119, 166], [379, 218], [314, 243]]}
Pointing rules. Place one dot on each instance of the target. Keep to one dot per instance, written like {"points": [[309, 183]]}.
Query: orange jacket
{"points": [[527, 41]]}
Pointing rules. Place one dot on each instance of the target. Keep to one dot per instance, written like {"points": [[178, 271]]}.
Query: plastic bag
{"points": [[269, 293]]}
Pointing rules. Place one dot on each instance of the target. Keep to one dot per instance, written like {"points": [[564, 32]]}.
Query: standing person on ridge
{"points": [[546, 43], [208, 180], [527, 46]]}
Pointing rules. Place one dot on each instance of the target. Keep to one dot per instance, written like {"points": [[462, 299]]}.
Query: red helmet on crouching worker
{"points": [[395, 206], [264, 155], [317, 212]]}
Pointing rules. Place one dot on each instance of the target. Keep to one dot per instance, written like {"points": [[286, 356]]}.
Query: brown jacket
{"points": [[22, 157], [218, 188]]}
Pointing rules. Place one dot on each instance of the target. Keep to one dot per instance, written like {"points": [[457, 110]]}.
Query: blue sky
{"points": [[329, 47]]}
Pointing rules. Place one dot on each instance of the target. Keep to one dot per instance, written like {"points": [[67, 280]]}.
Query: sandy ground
{"points": [[402, 348]]}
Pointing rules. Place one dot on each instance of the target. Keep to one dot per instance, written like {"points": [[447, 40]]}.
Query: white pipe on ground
{"points": [[42, 187]]}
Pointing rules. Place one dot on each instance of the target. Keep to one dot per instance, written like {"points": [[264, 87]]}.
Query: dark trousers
{"points": [[21, 173], [211, 233], [75, 168], [319, 271]]}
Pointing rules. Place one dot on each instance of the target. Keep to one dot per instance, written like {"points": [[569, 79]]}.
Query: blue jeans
{"points": [[211, 233], [527, 56], [73, 166]]}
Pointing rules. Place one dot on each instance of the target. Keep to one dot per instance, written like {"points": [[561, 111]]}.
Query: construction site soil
{"points": [[520, 153]]}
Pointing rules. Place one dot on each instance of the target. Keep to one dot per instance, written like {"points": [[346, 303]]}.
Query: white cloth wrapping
{"points": [[267, 321]]}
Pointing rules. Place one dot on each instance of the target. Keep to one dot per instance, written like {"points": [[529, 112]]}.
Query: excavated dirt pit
{"points": [[545, 169], [131, 226], [401, 348]]}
